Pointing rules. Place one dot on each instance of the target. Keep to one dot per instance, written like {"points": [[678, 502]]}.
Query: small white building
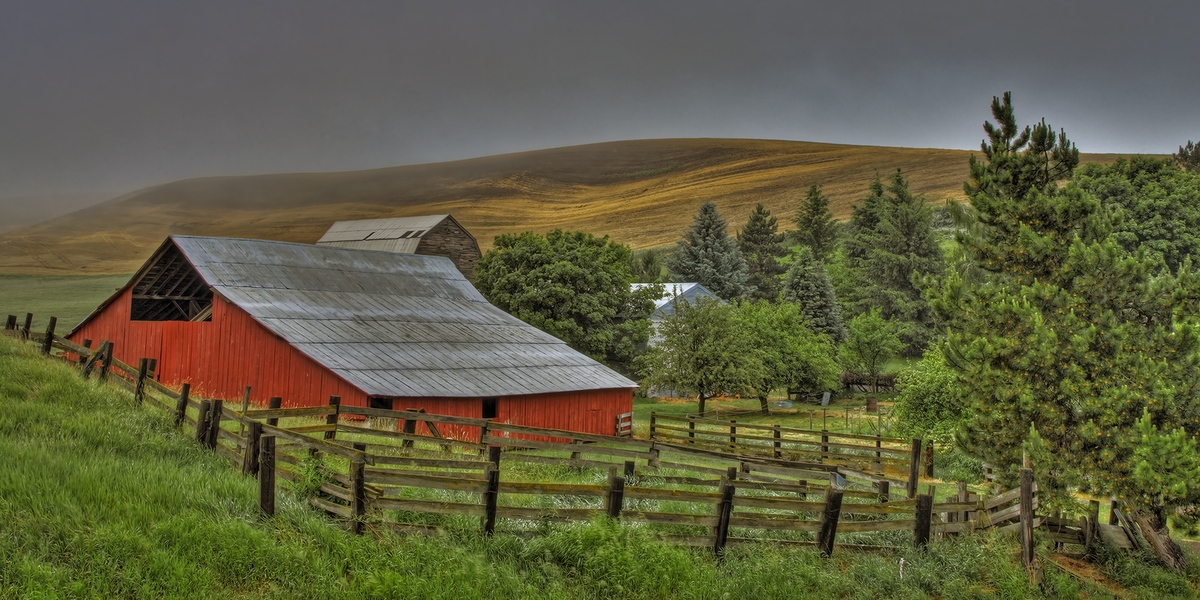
{"points": [[665, 307]]}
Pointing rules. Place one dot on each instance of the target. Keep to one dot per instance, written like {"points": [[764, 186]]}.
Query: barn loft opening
{"points": [[171, 290]]}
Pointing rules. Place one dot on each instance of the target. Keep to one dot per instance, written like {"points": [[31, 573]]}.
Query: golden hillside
{"points": [[639, 192]]}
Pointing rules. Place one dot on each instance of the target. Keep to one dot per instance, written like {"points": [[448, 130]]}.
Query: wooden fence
{"points": [[743, 487]]}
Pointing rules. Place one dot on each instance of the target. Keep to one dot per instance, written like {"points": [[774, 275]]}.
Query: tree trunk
{"points": [[1156, 533], [702, 404], [763, 401]]}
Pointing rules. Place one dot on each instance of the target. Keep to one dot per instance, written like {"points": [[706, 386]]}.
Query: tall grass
{"points": [[99, 498]]}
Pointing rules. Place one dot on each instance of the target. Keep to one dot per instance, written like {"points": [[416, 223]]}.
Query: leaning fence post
{"points": [[11, 323], [83, 357], [358, 491], [106, 364], [202, 422], [1027, 517], [924, 519], [493, 490], [253, 443], [181, 406], [139, 388], [914, 468], [775, 434], [1113, 507], [724, 510], [28, 324], [336, 403], [829, 521], [48, 341], [94, 359], [215, 412], [266, 476]]}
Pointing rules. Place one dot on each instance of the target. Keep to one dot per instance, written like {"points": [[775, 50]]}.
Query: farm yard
{"points": [[420, 493]]}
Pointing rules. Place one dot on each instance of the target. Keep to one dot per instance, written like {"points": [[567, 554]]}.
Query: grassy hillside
{"points": [[102, 499], [68, 297], [640, 192]]}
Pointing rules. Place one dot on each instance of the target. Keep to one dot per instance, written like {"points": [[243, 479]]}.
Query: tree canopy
{"points": [[572, 285], [809, 286], [872, 342], [1072, 349], [793, 356], [762, 246], [708, 256]]}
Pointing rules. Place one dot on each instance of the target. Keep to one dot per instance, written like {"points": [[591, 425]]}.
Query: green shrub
{"points": [[926, 406]]}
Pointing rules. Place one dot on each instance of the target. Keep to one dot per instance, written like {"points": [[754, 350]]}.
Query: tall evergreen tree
{"points": [[891, 245], [762, 247], [1188, 157], [809, 286], [708, 256], [1072, 349], [815, 226]]}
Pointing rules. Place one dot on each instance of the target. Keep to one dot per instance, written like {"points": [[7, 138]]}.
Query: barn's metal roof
{"points": [[684, 292], [391, 324], [396, 234]]}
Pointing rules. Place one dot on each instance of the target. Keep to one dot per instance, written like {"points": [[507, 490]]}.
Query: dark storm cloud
{"points": [[121, 94]]}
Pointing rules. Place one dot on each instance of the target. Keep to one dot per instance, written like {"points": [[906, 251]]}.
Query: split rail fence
{"points": [[409, 477]]}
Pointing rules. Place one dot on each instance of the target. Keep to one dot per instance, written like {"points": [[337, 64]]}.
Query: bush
{"points": [[926, 406]]}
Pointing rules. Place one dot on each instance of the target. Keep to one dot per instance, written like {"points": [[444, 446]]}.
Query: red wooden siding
{"points": [[221, 357]]}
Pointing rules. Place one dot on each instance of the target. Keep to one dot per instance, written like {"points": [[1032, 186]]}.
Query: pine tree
{"points": [[809, 286], [891, 245], [762, 247], [1072, 349], [815, 226], [708, 256]]}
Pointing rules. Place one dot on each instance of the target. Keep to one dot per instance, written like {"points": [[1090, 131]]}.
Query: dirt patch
{"points": [[1084, 571]]}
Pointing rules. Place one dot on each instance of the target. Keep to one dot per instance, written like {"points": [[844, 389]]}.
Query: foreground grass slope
{"points": [[640, 192], [99, 498]]}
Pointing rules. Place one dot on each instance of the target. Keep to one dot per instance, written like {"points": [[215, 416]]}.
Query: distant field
{"points": [[68, 297], [642, 193]]}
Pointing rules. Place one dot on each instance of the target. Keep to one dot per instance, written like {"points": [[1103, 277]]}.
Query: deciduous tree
{"points": [[873, 341], [793, 356]]}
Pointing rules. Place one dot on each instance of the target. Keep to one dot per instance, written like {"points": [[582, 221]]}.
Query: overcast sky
{"points": [[116, 95]]}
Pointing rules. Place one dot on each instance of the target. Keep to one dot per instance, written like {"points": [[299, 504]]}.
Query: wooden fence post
{"points": [[266, 476], [83, 358], [924, 518], [777, 443], [153, 374], [914, 468], [1113, 508], [410, 428], [829, 521], [48, 341], [691, 430], [878, 454], [803, 489], [884, 488], [253, 444], [929, 459], [245, 407], [1027, 517], [1093, 522], [652, 424], [824, 444], [11, 323], [358, 491], [139, 388], [215, 412], [336, 403], [275, 402], [630, 468], [493, 490], [202, 422], [106, 362], [724, 510], [961, 497], [653, 460], [616, 496], [732, 435], [181, 406], [28, 324]]}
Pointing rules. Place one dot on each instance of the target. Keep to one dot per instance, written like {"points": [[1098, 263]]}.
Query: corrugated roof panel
{"points": [[391, 324]]}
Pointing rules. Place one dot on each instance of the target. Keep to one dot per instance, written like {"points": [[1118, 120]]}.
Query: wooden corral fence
{"points": [[740, 488], [872, 456]]}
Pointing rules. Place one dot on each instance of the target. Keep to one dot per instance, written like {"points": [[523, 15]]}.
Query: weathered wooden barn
{"points": [[304, 322], [431, 235]]}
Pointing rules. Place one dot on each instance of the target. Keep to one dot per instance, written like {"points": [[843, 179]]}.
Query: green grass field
{"points": [[100, 498], [68, 297]]}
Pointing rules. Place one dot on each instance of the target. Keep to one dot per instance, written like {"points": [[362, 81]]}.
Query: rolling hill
{"points": [[639, 192]]}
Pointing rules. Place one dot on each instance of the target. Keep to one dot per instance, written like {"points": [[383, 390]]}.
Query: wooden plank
{"points": [[319, 445], [702, 420], [410, 415], [444, 463], [670, 518], [330, 507], [864, 526], [1115, 535], [322, 428], [773, 523], [556, 489], [547, 514], [580, 448], [430, 506], [642, 493], [642, 445], [342, 427], [379, 477], [283, 413], [336, 491]]}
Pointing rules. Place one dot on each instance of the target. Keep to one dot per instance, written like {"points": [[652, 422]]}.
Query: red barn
{"points": [[377, 328]]}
